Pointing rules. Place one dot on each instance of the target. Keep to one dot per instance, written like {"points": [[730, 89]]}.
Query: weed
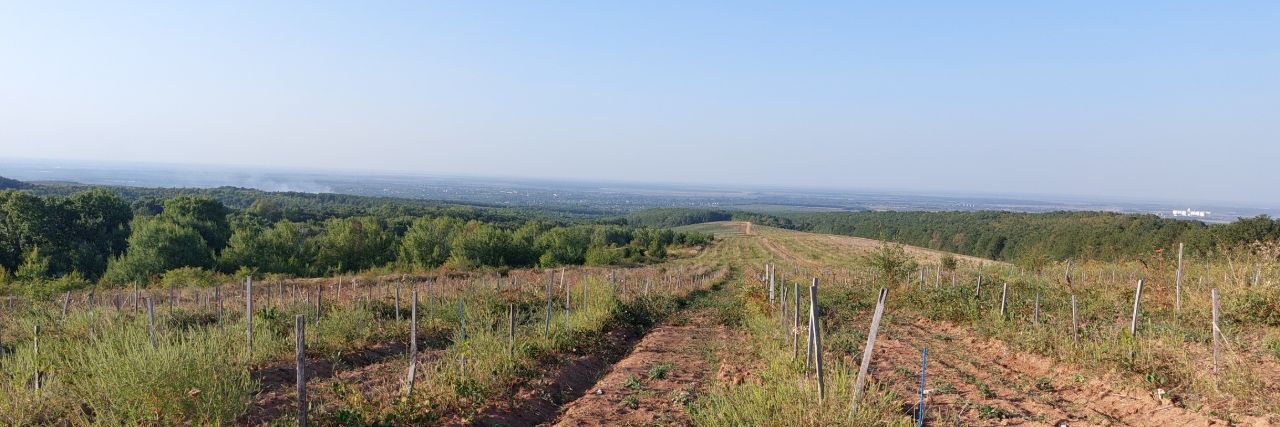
{"points": [[632, 382], [985, 391], [659, 370]]}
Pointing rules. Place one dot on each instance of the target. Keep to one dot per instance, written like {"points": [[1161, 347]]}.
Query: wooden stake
{"points": [[511, 330], [413, 346], [924, 363], [151, 322], [795, 321], [1036, 314], [1075, 322], [66, 304], [35, 353], [462, 318], [815, 320], [1137, 298], [300, 334], [248, 315], [217, 294], [1177, 282], [1004, 292], [1217, 333], [861, 380], [546, 331]]}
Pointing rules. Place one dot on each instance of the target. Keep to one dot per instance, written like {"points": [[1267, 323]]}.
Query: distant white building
{"points": [[1190, 212]]}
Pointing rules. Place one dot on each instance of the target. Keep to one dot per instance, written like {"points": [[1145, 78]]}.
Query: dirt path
{"points": [[648, 387], [978, 381], [278, 396], [539, 400]]}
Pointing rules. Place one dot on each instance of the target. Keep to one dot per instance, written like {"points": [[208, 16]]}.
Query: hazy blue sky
{"points": [[1155, 99]]}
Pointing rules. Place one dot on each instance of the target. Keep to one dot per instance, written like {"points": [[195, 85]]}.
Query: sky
{"points": [[1144, 99]]}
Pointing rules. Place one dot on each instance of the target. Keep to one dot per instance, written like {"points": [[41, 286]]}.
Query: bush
{"points": [[949, 262], [891, 260], [188, 276], [600, 255]]}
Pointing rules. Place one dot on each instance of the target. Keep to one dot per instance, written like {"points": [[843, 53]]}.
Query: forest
{"points": [[1006, 236], [55, 239]]}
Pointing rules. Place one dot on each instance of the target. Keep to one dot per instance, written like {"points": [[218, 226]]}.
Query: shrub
{"points": [[188, 276]]}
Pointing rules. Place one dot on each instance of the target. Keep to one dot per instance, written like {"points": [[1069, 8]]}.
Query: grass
{"points": [[783, 392], [1172, 349], [98, 366], [659, 370]]}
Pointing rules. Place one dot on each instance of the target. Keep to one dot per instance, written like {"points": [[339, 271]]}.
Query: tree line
{"points": [[50, 243], [1007, 236]]}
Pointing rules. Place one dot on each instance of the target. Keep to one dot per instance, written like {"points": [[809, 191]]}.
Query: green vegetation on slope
{"points": [[49, 244], [1007, 236]]}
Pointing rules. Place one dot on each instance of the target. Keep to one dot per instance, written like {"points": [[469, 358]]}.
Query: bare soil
{"points": [[669, 367]]}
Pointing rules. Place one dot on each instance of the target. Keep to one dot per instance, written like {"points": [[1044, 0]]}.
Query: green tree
{"points": [[426, 244], [203, 214], [563, 246], [157, 246], [279, 249], [352, 244], [480, 245], [100, 223]]}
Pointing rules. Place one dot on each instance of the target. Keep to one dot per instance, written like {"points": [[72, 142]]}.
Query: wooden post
{"points": [[462, 318], [1137, 298], [546, 331], [795, 321], [300, 346], [319, 308], [924, 363], [151, 322], [135, 298], [413, 346], [217, 295], [1217, 333], [1004, 292], [66, 304], [1036, 314], [1066, 273], [771, 289], [565, 287], [35, 353], [782, 314], [815, 320], [1177, 282], [1075, 322], [808, 342], [248, 316], [861, 380], [413, 326], [511, 330], [978, 290], [397, 301]]}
